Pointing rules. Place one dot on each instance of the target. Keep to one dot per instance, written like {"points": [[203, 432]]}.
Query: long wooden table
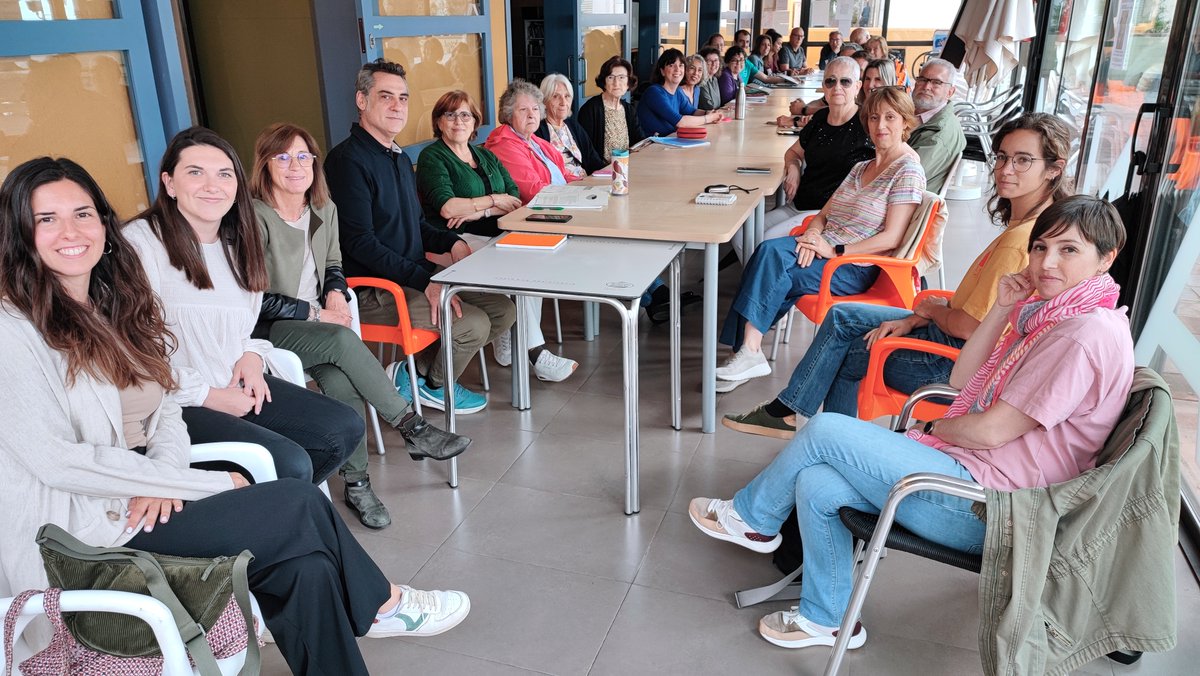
{"points": [[663, 184]]}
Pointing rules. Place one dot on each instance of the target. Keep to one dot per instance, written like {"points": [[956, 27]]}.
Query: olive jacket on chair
{"points": [[1082, 568]]}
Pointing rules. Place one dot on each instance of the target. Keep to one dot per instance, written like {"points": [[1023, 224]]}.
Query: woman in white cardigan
{"points": [[201, 248], [94, 443]]}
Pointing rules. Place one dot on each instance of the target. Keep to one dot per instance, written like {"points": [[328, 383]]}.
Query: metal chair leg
{"points": [[483, 371], [373, 416], [557, 322], [412, 384]]}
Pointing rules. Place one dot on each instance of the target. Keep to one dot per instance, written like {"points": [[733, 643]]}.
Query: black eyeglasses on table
{"points": [[722, 189]]}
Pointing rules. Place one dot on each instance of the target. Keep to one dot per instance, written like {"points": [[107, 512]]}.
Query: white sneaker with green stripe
{"points": [[422, 613]]}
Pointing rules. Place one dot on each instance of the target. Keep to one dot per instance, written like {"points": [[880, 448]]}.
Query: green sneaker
{"points": [[757, 421]]}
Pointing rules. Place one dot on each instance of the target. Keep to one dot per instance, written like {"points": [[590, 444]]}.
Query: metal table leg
{"points": [[589, 321], [708, 371], [520, 364], [676, 378], [448, 372], [629, 335], [760, 224]]}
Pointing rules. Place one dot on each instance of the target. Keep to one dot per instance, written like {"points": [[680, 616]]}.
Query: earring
{"points": [[108, 247]]}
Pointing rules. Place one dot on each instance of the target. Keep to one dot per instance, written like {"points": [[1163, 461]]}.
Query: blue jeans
{"points": [[836, 361], [836, 461], [772, 282]]}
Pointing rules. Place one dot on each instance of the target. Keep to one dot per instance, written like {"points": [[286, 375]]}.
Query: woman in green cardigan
{"points": [[465, 188], [306, 309]]}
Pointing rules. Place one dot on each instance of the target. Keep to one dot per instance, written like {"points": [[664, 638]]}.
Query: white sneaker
{"points": [[718, 519], [553, 368], [502, 349], [422, 613], [790, 629], [744, 365]]}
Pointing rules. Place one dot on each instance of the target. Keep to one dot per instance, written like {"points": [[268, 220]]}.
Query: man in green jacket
{"points": [[939, 140]]}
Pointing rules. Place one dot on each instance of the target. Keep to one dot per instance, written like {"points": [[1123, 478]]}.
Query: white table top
{"points": [[584, 266]]}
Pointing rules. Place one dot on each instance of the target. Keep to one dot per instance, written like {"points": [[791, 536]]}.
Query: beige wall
{"points": [[257, 65]]}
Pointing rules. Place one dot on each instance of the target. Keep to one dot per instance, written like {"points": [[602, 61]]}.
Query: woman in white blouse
{"points": [[201, 248]]}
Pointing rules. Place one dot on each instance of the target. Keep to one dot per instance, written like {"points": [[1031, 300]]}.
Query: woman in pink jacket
{"points": [[531, 161]]}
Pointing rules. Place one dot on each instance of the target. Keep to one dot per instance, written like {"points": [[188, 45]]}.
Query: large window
{"points": [[908, 25], [436, 64]]}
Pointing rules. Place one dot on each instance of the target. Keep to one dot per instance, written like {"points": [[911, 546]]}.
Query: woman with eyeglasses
{"points": [[463, 187], [730, 78], [833, 141], [867, 214], [664, 106], [203, 252], [563, 132], [607, 118], [533, 164], [305, 308], [710, 86], [828, 376]]}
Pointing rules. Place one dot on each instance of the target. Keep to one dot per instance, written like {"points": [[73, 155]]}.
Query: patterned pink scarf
{"points": [[1029, 321]]}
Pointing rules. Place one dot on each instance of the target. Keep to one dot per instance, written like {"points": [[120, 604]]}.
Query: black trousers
{"points": [[317, 587], [308, 434]]}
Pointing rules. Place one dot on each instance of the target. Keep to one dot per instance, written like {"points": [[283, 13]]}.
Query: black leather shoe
{"points": [[426, 441], [369, 508]]}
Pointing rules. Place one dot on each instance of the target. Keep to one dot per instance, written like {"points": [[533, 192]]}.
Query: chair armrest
{"points": [[142, 606], [932, 293], [926, 392], [355, 319], [251, 457], [390, 287], [799, 229], [284, 364], [825, 295]]}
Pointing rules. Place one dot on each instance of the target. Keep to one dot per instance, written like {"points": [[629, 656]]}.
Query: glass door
{"points": [[440, 54], [1166, 308], [581, 36]]}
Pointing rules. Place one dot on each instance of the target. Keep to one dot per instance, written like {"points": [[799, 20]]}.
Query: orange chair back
{"points": [[410, 340], [875, 398], [898, 281]]}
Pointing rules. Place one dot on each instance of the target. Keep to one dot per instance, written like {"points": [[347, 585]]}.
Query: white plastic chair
{"points": [[258, 463], [284, 364]]}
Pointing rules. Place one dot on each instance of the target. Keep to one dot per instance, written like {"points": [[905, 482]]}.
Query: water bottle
{"points": [[739, 108], [620, 172]]}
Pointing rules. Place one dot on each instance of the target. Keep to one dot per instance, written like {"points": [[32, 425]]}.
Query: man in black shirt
{"points": [[384, 234]]}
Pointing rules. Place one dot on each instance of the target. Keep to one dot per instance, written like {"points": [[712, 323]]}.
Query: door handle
{"points": [[1138, 158]]}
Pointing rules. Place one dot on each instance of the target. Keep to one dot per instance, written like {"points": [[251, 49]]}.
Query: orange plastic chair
{"points": [[875, 398], [898, 281], [402, 334]]}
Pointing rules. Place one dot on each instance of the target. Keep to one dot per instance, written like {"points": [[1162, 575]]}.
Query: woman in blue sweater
{"points": [[663, 106]]}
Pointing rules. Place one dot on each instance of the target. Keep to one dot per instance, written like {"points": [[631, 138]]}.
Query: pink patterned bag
{"points": [[65, 655]]}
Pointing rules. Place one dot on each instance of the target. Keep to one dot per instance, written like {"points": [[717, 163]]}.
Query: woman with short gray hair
{"points": [[533, 163], [564, 133]]}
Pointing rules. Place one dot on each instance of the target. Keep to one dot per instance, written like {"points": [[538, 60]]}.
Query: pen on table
{"points": [[547, 208]]}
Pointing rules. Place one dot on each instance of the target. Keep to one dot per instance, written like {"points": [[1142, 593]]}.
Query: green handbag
{"points": [[196, 591]]}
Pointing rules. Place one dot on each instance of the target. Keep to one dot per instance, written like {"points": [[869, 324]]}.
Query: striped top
{"points": [[857, 211]]}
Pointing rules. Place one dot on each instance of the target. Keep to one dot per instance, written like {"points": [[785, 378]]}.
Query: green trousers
{"points": [[345, 370]]}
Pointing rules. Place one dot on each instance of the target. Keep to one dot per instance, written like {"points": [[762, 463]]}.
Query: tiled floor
{"points": [[562, 582]]}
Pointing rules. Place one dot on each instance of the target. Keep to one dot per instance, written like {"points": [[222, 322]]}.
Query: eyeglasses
{"points": [[452, 115], [284, 159], [722, 189], [845, 82], [1020, 162], [932, 83], [617, 78]]}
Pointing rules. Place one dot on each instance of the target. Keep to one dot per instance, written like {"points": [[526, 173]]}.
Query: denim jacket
{"points": [[1083, 568]]}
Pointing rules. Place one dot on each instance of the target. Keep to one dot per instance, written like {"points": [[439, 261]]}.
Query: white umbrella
{"points": [[991, 31]]}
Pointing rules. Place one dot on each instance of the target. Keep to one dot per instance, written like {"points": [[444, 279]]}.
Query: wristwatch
{"points": [[928, 428], [839, 249]]}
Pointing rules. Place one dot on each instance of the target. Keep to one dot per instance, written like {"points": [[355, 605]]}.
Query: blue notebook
{"points": [[679, 142]]}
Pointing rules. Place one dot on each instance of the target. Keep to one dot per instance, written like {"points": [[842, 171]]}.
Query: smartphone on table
{"points": [[548, 218], [753, 170]]}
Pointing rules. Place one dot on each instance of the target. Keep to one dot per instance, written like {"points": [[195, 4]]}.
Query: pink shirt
{"points": [[1074, 382]]}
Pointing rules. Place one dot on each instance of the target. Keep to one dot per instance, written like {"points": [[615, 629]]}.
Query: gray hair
{"points": [[508, 100], [951, 70], [551, 82], [366, 75], [703, 67], [845, 62]]}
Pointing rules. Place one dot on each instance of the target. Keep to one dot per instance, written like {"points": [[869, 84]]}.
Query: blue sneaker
{"points": [[465, 401], [397, 371]]}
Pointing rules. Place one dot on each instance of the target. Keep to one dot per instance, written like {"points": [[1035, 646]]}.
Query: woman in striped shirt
{"points": [[867, 214]]}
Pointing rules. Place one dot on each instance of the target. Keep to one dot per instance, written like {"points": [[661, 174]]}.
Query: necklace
{"points": [[303, 211]]}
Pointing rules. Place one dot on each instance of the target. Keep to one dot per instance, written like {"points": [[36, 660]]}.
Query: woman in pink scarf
{"points": [[1043, 378]]}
